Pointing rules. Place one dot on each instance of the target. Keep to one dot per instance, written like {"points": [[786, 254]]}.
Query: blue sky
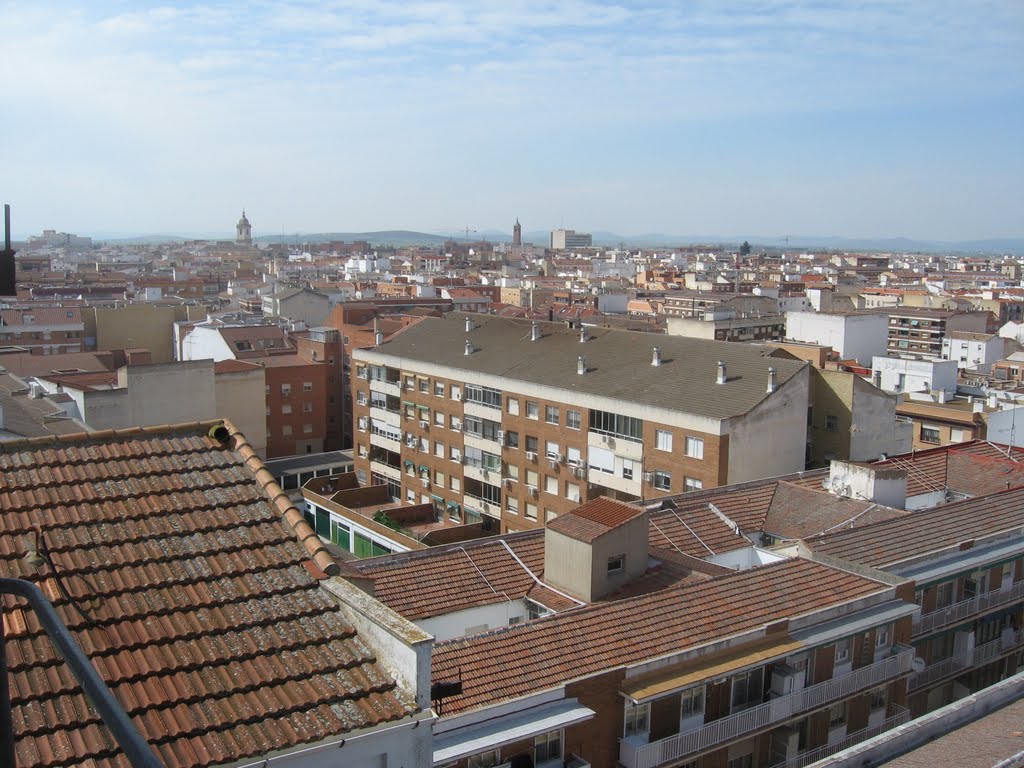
{"points": [[766, 117]]}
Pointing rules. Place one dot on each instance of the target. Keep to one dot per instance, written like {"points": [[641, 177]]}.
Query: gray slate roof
{"points": [[618, 362]]}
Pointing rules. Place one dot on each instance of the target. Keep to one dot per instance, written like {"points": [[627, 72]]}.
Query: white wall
{"points": [[205, 343], [770, 440], [858, 337], [455, 624], [918, 375]]}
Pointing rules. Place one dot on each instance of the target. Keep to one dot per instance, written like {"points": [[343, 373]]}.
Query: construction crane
{"points": [[468, 230]]}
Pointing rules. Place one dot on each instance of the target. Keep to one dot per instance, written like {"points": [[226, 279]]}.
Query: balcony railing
{"points": [[954, 665], [777, 710], [900, 716], [966, 608]]}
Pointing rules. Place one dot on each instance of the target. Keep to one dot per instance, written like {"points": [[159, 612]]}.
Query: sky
{"points": [[689, 117]]}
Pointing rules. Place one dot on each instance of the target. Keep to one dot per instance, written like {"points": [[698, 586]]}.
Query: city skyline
{"points": [[776, 118]]}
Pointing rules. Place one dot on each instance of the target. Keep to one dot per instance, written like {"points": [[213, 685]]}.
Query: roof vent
{"points": [[378, 338], [581, 365], [656, 357], [469, 348], [721, 372], [584, 335], [469, 325], [535, 331], [772, 380], [219, 433]]}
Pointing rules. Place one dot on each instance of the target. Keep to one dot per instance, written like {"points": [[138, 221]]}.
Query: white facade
{"points": [[895, 374], [973, 353], [857, 337], [205, 343]]}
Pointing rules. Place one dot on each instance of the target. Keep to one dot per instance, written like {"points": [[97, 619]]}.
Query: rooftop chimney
{"points": [[469, 324], [721, 372], [772, 380], [581, 365], [656, 357], [584, 336], [378, 338], [469, 348], [535, 331]]}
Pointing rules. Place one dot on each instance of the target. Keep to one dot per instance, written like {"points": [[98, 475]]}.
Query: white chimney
{"points": [[584, 336], [535, 331], [978, 407], [656, 357], [772, 380], [469, 324], [581, 365], [378, 338], [721, 372], [469, 348], [993, 401]]}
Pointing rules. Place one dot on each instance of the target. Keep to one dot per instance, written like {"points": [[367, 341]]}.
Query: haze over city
{"points": [[777, 118]]}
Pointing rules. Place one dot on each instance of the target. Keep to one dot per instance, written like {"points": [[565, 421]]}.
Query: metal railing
{"points": [[977, 656], [900, 716], [135, 748], [777, 710], [963, 609]]}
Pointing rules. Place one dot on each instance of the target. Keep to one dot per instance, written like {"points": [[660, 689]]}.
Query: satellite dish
{"points": [[918, 665]]}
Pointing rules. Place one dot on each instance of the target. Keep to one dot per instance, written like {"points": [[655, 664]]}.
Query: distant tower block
{"points": [[517, 233], [243, 230]]}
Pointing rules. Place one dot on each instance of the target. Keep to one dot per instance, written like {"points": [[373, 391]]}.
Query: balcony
{"points": [[775, 711], [386, 387], [929, 622], [978, 656], [900, 716]]}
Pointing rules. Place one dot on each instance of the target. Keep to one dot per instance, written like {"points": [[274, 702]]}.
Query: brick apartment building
{"points": [[490, 418]]}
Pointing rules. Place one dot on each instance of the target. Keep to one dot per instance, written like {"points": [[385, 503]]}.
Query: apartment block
{"points": [[918, 332], [854, 335], [521, 422], [43, 330]]}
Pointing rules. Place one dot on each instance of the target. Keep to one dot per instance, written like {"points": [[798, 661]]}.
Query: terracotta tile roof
{"points": [[594, 519], [796, 512], [976, 468], [515, 661], [888, 542], [197, 602], [41, 316]]}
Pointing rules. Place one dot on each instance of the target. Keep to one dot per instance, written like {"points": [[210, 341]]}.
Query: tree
{"points": [[745, 249]]}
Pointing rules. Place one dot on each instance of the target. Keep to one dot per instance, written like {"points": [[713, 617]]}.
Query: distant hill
{"points": [[397, 237]]}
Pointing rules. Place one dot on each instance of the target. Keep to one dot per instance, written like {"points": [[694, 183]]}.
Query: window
{"points": [[663, 440], [616, 563], [638, 719], [842, 651], [531, 443], [483, 395], [456, 392], [692, 484], [944, 594], [547, 746], [692, 702], [512, 505], [930, 433], [626, 427], [831, 423], [572, 492], [439, 419], [307, 386], [695, 447], [456, 454], [286, 389], [573, 456], [747, 689], [879, 698], [307, 407], [551, 414], [439, 450], [513, 406], [551, 485], [883, 635], [512, 439], [532, 410], [438, 389], [286, 430], [549, 515], [837, 715], [307, 429], [439, 478], [532, 478], [627, 469], [662, 480], [487, 759], [423, 383], [573, 419], [455, 484], [551, 450], [455, 423], [531, 512]]}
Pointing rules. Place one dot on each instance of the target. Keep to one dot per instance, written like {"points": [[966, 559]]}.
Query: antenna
{"points": [[7, 282]]}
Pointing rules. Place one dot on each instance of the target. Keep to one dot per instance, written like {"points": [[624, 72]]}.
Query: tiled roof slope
{"points": [[796, 511], [195, 601], [976, 468], [890, 542], [685, 381], [594, 519], [526, 658]]}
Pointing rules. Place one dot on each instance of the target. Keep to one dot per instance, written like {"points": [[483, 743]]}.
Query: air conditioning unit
{"points": [[552, 462], [508, 482], [648, 477], [787, 680], [561, 458], [531, 456], [500, 437], [579, 471], [425, 482], [458, 397], [424, 424], [533, 492]]}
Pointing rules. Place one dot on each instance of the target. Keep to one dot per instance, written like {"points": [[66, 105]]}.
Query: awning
{"points": [[708, 667], [408, 462], [423, 407], [491, 734]]}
